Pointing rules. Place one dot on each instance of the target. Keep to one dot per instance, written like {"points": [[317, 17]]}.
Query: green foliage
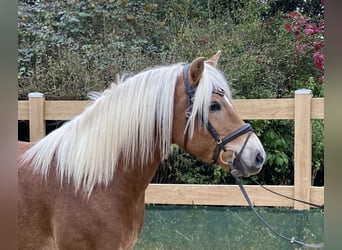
{"points": [[181, 168], [69, 48], [278, 140], [317, 152]]}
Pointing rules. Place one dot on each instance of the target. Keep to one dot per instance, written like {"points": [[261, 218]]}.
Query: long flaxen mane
{"points": [[125, 123]]}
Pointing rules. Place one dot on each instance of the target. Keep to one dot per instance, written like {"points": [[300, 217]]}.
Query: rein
{"points": [[288, 197], [292, 240]]}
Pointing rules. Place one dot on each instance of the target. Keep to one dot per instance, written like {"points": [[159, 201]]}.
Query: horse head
{"points": [[211, 128]]}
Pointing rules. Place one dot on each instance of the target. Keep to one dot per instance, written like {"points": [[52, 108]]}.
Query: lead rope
{"points": [[288, 197], [292, 240]]}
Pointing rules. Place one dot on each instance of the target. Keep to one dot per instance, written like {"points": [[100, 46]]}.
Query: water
{"points": [[209, 227]]}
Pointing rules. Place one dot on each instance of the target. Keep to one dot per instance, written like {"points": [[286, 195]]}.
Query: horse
{"points": [[83, 185]]}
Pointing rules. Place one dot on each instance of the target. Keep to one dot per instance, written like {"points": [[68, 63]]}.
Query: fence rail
{"points": [[302, 109]]}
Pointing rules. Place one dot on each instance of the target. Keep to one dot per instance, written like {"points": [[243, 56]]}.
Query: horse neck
{"points": [[135, 178]]}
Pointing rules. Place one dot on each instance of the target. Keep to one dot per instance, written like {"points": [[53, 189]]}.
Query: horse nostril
{"points": [[259, 159]]}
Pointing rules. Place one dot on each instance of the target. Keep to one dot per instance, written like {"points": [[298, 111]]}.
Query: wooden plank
{"points": [[36, 116], [249, 109], [227, 195], [302, 148], [23, 110], [265, 109], [64, 110], [317, 108], [317, 195]]}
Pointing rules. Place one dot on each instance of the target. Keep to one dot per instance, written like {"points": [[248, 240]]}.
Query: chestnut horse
{"points": [[83, 185]]}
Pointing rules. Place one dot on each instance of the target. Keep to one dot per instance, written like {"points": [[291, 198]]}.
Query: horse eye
{"points": [[214, 106]]}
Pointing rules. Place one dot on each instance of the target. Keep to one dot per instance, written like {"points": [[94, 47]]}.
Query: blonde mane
{"points": [[126, 122]]}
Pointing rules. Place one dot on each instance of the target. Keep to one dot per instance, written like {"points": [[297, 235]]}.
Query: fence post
{"points": [[302, 147], [36, 116]]}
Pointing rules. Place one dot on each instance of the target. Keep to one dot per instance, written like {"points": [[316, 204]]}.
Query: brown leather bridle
{"points": [[220, 142]]}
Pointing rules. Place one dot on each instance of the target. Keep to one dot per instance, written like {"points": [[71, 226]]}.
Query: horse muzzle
{"points": [[229, 158]]}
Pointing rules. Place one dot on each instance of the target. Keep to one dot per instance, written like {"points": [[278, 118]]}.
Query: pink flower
{"points": [[319, 60], [293, 14], [288, 27], [309, 29], [301, 48]]}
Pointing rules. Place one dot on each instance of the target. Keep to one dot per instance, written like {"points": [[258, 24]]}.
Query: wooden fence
{"points": [[302, 109]]}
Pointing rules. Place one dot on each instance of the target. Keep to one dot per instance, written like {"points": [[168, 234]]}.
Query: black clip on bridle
{"points": [[220, 143]]}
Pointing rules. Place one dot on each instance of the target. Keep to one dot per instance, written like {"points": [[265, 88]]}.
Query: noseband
{"points": [[221, 142]]}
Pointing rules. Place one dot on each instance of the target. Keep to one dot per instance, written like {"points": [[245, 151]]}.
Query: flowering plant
{"points": [[309, 37]]}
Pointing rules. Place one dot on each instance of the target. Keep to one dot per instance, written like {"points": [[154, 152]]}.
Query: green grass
{"points": [[208, 227]]}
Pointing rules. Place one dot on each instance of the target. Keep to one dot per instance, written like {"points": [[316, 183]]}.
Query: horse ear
{"points": [[196, 70], [214, 59]]}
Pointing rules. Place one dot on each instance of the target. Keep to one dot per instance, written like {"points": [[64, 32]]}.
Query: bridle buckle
{"points": [[219, 141]]}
